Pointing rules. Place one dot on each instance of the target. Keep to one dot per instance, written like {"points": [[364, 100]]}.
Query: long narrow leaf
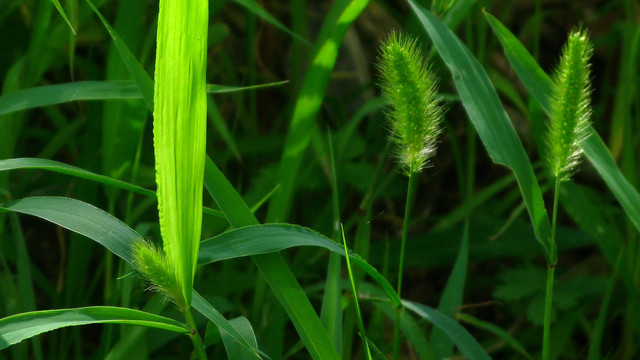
{"points": [[16, 328], [485, 111], [55, 166], [467, 345], [179, 130], [80, 217], [268, 238]]}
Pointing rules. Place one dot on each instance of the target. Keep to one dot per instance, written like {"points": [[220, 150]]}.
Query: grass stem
{"points": [[411, 192], [196, 340], [548, 300]]}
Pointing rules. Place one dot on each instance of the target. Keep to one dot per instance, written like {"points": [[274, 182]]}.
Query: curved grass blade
{"points": [[467, 345], [16, 328], [269, 238], [94, 90], [62, 93], [55, 166], [80, 217], [306, 108], [539, 85], [255, 8], [485, 111]]}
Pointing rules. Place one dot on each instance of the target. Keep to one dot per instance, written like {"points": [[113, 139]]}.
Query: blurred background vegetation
{"points": [[506, 268]]}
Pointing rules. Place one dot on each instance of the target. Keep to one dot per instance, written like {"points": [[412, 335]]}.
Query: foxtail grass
{"points": [[415, 114], [567, 129]]}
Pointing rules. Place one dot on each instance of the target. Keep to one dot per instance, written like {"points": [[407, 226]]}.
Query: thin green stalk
{"points": [[548, 300], [355, 297], [196, 340], [411, 191]]}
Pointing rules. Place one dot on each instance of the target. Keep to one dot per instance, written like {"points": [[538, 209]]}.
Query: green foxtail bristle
{"points": [[571, 107], [414, 104], [152, 265]]}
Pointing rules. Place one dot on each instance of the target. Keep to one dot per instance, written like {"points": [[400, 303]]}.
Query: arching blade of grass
{"points": [[105, 229], [255, 8], [55, 166], [485, 111], [62, 93], [467, 345], [306, 108], [269, 238], [16, 328], [410, 329], [80, 217], [539, 85], [93, 90]]}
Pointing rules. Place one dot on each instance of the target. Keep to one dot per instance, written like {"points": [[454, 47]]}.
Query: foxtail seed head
{"points": [[151, 264], [414, 104], [571, 107]]}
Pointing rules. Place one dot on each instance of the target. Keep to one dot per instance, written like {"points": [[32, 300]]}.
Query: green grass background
{"points": [[472, 253]]}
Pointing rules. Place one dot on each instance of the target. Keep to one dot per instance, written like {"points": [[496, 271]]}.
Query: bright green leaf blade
{"points": [[235, 350], [269, 238], [255, 8], [539, 85], [179, 130], [275, 270], [56, 3], [485, 111], [55, 166], [467, 345], [80, 217], [305, 110], [16, 328]]}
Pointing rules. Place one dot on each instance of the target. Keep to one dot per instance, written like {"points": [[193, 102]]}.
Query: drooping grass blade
{"points": [[485, 111], [16, 328], [269, 238]]}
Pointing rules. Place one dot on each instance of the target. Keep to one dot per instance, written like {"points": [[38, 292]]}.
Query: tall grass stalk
{"points": [[571, 110], [415, 115]]}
